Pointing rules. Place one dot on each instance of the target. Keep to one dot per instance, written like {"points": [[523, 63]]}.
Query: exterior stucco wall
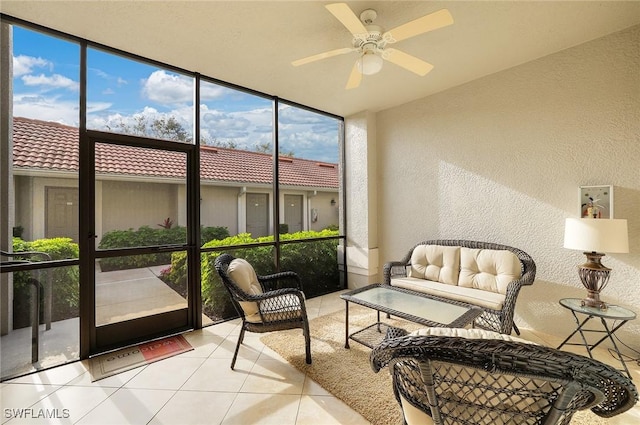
{"points": [[327, 213], [31, 202], [152, 203], [501, 159], [24, 205], [219, 207]]}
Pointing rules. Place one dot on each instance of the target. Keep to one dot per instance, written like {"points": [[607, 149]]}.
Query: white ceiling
{"points": [[252, 44]]}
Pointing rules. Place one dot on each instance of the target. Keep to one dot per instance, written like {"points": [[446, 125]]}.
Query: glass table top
{"points": [[611, 312], [422, 307]]}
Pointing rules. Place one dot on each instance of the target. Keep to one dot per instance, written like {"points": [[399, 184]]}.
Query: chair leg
{"points": [[235, 354], [515, 328], [307, 341]]}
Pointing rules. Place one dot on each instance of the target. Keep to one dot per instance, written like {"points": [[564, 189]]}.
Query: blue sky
{"points": [[46, 87]]}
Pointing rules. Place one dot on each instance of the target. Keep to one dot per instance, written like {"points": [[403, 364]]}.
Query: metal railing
{"points": [[36, 287]]}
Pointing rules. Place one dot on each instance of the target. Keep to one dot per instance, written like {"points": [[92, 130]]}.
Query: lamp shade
{"points": [[596, 235]]}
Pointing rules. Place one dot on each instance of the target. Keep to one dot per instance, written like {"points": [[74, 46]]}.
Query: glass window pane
{"points": [[43, 175], [39, 202], [323, 276], [216, 301], [46, 73], [236, 165], [140, 196], [131, 97], [309, 172], [130, 288], [58, 332]]}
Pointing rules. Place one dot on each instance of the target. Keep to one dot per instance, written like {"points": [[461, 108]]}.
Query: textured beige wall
{"points": [[361, 187], [500, 159]]}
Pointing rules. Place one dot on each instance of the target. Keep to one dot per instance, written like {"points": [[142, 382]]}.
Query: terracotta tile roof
{"points": [[50, 146]]}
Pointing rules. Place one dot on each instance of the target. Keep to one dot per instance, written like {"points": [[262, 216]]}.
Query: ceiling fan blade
{"points": [[344, 14], [324, 55], [427, 23], [354, 78], [408, 62]]}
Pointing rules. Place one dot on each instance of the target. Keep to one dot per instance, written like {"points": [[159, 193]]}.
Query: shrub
{"points": [[315, 262], [64, 281], [146, 236]]}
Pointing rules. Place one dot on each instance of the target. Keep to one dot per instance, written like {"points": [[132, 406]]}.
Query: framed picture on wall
{"points": [[596, 201]]}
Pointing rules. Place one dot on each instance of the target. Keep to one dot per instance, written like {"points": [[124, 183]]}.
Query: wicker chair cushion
{"points": [[243, 274], [283, 307], [435, 262], [485, 299], [488, 269]]}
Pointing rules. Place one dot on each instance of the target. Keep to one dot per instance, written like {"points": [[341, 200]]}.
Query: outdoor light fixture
{"points": [[333, 202], [369, 63], [595, 236]]}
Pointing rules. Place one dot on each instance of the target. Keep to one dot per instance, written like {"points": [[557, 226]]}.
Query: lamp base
{"points": [[594, 276], [593, 300]]}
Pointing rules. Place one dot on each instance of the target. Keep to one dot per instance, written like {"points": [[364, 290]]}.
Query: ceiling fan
{"points": [[370, 42]]}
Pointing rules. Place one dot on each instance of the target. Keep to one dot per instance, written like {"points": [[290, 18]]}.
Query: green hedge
{"points": [[314, 261], [64, 281], [146, 236]]}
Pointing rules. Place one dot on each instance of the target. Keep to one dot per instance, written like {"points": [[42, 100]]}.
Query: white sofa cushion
{"points": [[473, 333], [478, 297], [488, 269], [243, 274], [435, 262]]}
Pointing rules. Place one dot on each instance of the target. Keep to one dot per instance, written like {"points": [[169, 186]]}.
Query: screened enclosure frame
{"points": [[87, 250]]}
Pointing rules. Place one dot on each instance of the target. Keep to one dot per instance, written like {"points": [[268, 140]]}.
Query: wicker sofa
{"points": [[482, 274]]}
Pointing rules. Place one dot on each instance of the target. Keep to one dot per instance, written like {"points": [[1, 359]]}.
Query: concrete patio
{"points": [[120, 295]]}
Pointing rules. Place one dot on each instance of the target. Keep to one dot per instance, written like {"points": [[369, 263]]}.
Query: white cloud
{"points": [[246, 129], [100, 73], [168, 89], [93, 107], [213, 91], [174, 89], [46, 108], [54, 81], [23, 64]]}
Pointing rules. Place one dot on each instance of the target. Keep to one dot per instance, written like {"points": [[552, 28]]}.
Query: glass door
{"points": [[141, 228]]}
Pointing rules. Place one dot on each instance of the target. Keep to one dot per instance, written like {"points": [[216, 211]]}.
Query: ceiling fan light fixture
{"points": [[370, 63]]}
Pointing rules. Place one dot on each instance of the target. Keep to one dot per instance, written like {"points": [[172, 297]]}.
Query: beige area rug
{"points": [[110, 364], [346, 373]]}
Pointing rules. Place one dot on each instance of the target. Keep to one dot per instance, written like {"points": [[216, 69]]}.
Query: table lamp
{"points": [[594, 236]]}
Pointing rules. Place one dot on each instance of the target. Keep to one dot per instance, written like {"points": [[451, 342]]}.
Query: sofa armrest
{"points": [[393, 269]]}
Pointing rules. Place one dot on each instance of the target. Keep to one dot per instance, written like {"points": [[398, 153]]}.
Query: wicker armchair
{"points": [[495, 320], [262, 307], [492, 378]]}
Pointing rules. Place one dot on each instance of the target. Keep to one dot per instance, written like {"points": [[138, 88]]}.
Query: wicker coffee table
{"points": [[423, 309]]}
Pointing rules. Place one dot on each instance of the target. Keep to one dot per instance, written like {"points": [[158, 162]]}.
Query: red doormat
{"points": [[110, 364]]}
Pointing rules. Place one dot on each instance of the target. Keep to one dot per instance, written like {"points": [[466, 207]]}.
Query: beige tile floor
{"points": [[198, 387]]}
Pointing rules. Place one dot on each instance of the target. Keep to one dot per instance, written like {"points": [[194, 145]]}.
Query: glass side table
{"points": [[612, 312]]}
